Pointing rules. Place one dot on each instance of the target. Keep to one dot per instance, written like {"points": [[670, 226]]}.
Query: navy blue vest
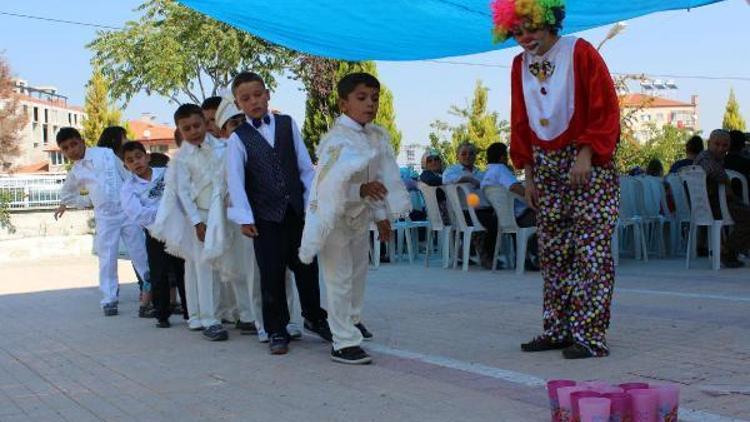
{"points": [[272, 178]]}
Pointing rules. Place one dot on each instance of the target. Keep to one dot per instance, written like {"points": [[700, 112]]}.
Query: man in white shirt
{"points": [[99, 172], [467, 172], [499, 174]]}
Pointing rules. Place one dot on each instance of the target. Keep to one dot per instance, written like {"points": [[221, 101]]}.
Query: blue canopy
{"points": [[401, 29]]}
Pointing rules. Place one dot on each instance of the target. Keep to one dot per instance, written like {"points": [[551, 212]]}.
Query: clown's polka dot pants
{"points": [[575, 227]]}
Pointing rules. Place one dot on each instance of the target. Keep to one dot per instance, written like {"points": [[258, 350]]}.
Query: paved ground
{"points": [[446, 349]]}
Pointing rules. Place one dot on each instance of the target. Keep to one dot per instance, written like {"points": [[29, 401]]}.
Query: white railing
{"points": [[32, 192]]}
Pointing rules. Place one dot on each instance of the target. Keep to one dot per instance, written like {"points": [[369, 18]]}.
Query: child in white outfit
{"points": [[357, 181], [101, 173]]}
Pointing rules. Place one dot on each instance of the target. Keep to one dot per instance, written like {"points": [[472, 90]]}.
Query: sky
{"points": [[702, 48]]}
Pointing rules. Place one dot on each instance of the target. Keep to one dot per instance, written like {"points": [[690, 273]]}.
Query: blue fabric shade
{"points": [[401, 29]]}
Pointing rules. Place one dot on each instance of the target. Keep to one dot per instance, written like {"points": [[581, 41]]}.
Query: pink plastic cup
{"points": [[566, 406], [620, 408], [633, 385], [594, 409], [575, 399], [596, 385], [554, 404], [645, 405], [669, 400], [610, 390]]}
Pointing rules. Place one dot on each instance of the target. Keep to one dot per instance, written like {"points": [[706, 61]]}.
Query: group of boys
{"points": [[241, 208]]}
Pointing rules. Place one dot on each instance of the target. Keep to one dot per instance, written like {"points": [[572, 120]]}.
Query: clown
{"points": [[564, 130]]}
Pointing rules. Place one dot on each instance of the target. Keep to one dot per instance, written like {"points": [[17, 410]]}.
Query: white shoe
{"points": [[195, 325], [293, 330], [262, 336]]}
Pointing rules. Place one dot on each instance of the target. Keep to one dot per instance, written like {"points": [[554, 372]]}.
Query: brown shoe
{"points": [[542, 344]]}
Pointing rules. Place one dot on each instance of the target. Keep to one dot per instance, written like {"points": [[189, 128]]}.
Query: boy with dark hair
{"points": [[209, 107], [140, 197], [358, 182], [194, 191], [269, 169], [98, 171]]}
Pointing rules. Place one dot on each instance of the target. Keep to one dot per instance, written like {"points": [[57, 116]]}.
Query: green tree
{"points": [[477, 125], [732, 118], [100, 112], [319, 76], [12, 118], [666, 143], [176, 52]]}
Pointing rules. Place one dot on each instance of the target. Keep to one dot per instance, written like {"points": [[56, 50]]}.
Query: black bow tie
{"points": [[259, 122]]}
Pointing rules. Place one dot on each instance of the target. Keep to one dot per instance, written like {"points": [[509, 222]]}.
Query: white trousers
{"points": [[200, 280], [344, 262], [200, 285], [109, 231], [226, 303]]}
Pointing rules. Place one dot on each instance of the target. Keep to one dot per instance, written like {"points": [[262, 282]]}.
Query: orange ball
{"points": [[473, 200]]}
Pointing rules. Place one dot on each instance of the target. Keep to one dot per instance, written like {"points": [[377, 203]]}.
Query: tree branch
{"points": [[200, 82]]}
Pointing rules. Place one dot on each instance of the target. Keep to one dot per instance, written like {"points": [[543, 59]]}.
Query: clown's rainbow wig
{"points": [[507, 14]]}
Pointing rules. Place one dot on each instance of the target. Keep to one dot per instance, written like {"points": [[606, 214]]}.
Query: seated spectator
{"points": [[712, 162], [693, 147], [467, 172], [432, 168], [499, 174], [432, 175], [736, 160], [655, 168]]}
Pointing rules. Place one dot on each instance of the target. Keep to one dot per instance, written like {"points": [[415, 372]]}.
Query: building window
{"points": [[158, 148], [70, 118], [56, 158], [36, 114], [46, 115], [75, 119], [45, 135]]}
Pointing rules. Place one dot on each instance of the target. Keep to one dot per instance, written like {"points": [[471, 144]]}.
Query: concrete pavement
{"points": [[446, 348]]}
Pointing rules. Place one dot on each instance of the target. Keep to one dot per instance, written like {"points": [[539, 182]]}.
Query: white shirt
{"points": [[101, 173], [355, 203], [140, 198], [239, 210], [500, 175], [457, 171], [197, 169]]}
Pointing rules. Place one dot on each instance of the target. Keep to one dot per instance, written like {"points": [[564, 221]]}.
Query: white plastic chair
{"points": [[651, 200], [436, 225], [681, 215], [735, 175], [456, 196], [502, 201], [629, 221], [701, 215]]}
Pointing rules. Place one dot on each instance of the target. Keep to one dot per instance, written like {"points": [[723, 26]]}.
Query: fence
{"points": [[32, 192]]}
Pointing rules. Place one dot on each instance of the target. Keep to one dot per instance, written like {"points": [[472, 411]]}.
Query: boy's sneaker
{"points": [[146, 312], [351, 355], [215, 333], [163, 324], [110, 309], [262, 336], [279, 344], [542, 344], [294, 332], [320, 328], [246, 328], [365, 333], [195, 325]]}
